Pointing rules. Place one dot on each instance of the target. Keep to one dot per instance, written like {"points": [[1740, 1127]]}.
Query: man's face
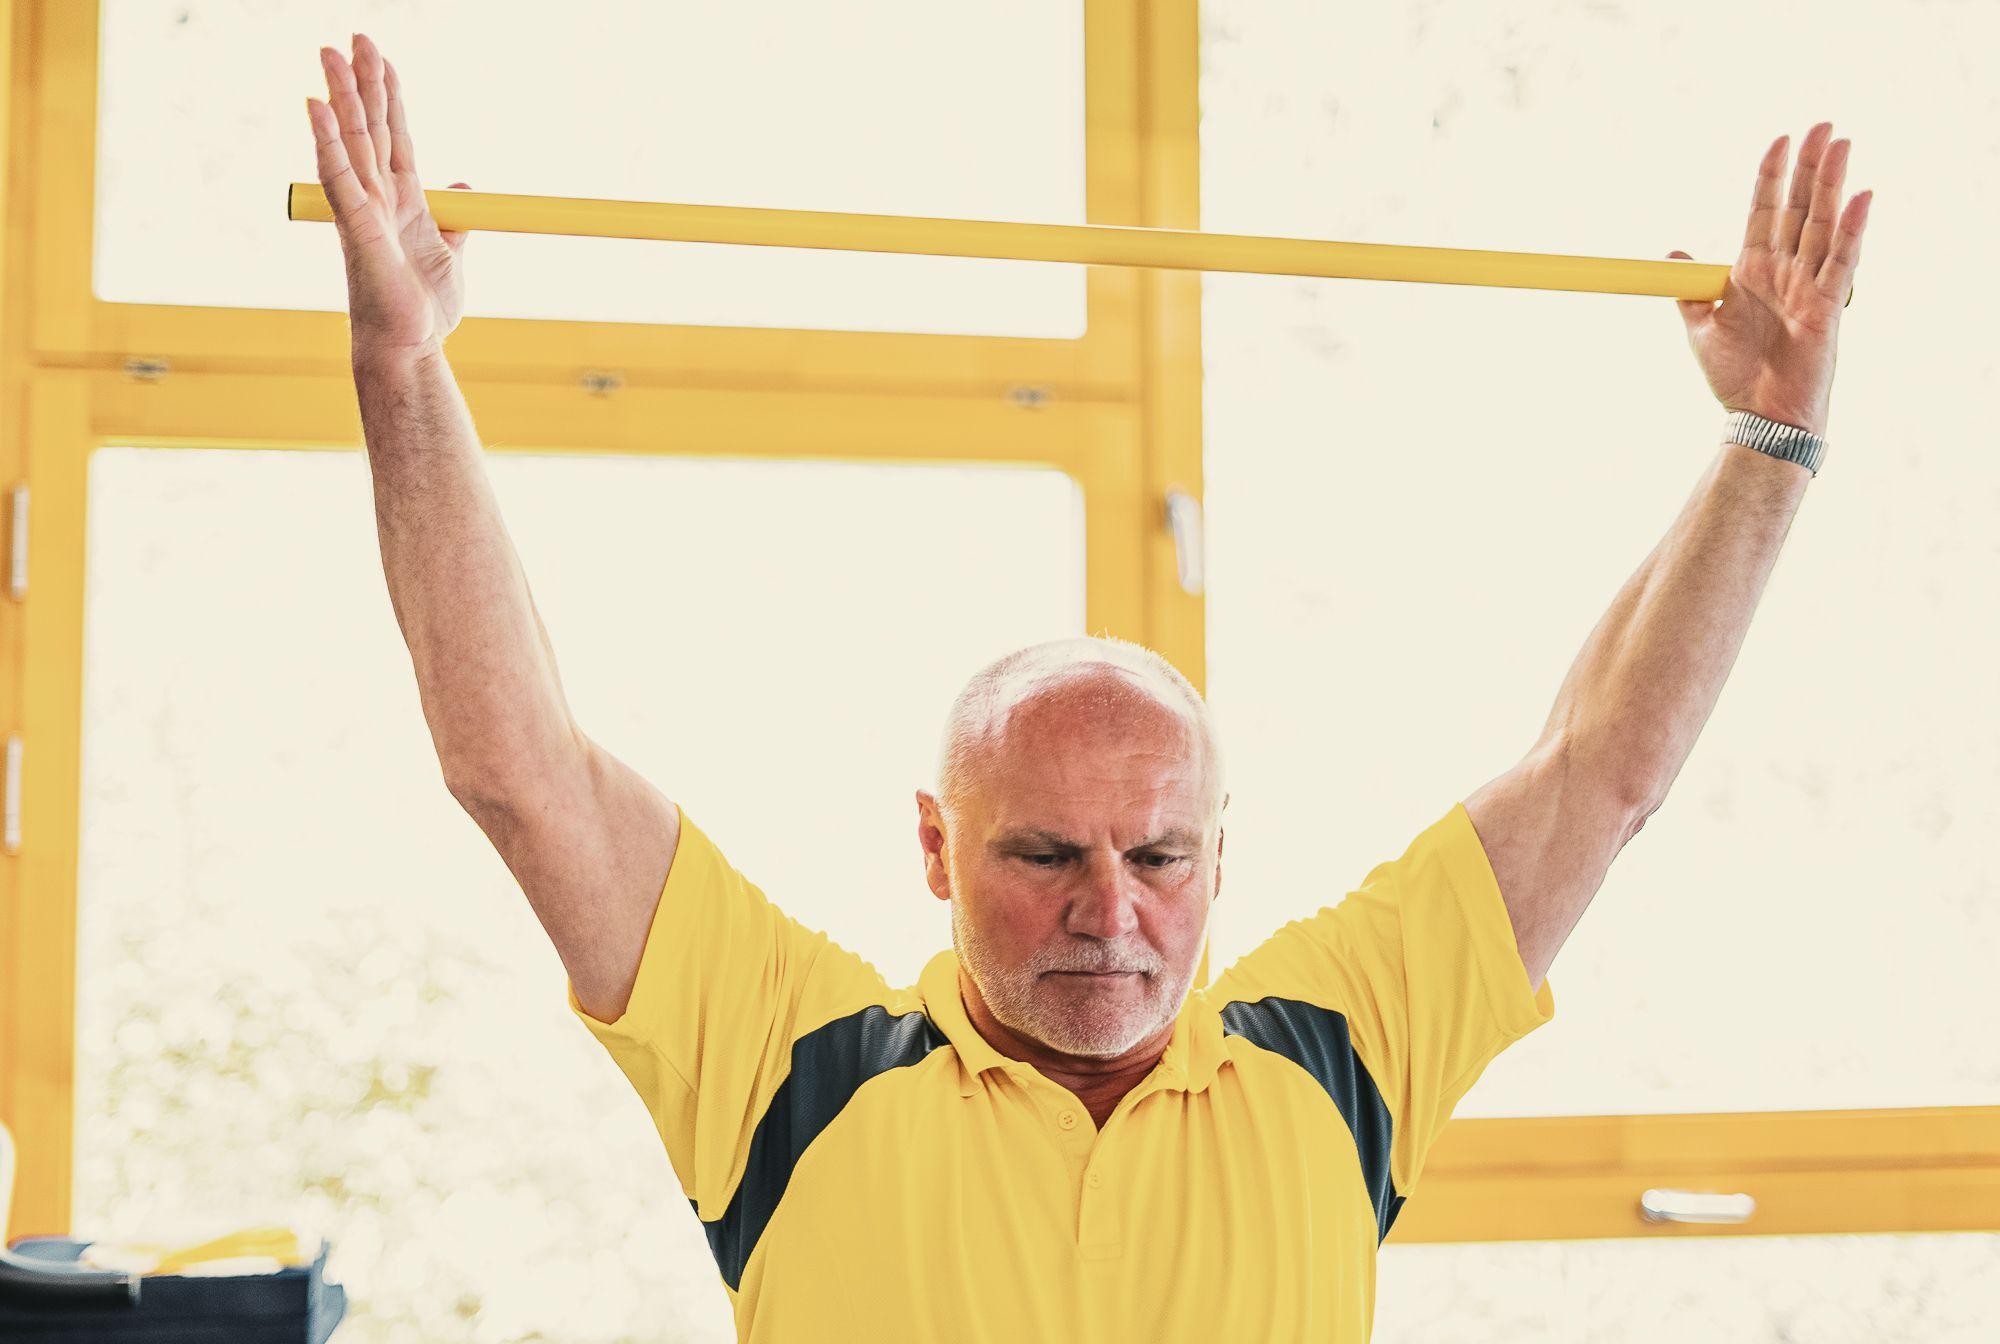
{"points": [[1081, 874]]}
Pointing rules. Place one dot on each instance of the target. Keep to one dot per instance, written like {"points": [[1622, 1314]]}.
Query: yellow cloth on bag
{"points": [[261, 1249]]}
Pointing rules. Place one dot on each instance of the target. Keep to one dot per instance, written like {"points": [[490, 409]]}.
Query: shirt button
{"points": [[1094, 1180], [1067, 1120]]}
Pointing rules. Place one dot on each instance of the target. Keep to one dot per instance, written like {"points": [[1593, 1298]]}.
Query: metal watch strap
{"points": [[1788, 443]]}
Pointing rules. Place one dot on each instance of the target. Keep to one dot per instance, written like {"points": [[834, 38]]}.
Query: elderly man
{"points": [[1050, 1136]]}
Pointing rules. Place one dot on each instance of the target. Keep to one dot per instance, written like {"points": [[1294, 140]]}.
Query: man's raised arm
{"points": [[590, 841], [1651, 672], [1649, 675]]}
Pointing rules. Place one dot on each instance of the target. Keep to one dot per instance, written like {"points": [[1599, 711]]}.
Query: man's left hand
{"points": [[1768, 346]]}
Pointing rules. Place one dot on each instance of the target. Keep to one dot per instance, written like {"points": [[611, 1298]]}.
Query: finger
{"points": [[1692, 310], [374, 97], [1836, 275], [1764, 197], [345, 99], [1794, 218], [402, 150], [454, 238], [336, 174], [1818, 231]]}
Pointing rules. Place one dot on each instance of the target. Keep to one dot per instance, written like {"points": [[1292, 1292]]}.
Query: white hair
{"points": [[983, 705]]}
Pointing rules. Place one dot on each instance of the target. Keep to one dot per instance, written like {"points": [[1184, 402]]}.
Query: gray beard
{"points": [[1018, 999]]}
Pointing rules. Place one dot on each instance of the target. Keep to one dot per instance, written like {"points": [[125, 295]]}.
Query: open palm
{"points": [[405, 287], [1769, 345]]}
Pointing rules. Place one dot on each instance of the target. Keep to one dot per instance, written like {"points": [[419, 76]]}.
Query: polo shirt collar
{"points": [[938, 988], [1192, 1056]]}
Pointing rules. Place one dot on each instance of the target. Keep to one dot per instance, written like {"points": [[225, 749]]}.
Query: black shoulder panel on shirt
{"points": [[1316, 1040], [828, 1067]]}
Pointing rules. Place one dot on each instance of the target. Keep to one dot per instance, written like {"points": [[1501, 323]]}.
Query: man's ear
{"points": [[930, 837], [1221, 834]]}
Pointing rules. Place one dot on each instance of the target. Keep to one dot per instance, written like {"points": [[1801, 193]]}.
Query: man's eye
{"points": [[1165, 860]]}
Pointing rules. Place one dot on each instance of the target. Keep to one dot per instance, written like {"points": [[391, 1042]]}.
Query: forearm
{"points": [[486, 673], [1649, 675]]}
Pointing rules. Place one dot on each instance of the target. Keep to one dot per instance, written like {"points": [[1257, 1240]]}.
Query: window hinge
{"points": [[145, 370], [1184, 521], [12, 837], [17, 541]]}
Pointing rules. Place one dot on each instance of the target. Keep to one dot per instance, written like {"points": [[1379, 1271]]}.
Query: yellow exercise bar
{"points": [[1089, 244]]}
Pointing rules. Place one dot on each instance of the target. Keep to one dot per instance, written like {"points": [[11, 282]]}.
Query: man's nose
{"points": [[1104, 905]]}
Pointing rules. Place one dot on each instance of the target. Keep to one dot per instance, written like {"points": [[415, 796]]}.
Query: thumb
{"points": [[455, 238], [1693, 311]]}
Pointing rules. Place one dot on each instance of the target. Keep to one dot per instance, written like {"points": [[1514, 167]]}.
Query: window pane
{"points": [[310, 988], [1941, 1289], [1422, 498], [971, 110]]}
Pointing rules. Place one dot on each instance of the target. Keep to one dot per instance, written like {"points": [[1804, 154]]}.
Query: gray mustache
{"points": [[1100, 966]]}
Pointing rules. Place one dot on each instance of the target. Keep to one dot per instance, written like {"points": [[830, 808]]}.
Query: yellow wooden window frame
{"points": [[1119, 409], [1103, 363]]}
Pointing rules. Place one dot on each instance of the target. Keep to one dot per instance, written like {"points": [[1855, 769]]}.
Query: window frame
{"points": [[1102, 363], [1119, 409]]}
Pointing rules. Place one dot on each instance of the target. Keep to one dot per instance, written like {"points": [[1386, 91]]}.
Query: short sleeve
{"points": [[727, 982], [1420, 965]]}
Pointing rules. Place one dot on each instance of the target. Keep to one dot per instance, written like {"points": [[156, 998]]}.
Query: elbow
{"points": [[481, 792], [479, 800], [512, 771], [1638, 820], [1610, 774], [464, 780], [1640, 805]]}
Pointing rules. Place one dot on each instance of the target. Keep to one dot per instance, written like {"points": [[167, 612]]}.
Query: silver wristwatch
{"points": [[1787, 442]]}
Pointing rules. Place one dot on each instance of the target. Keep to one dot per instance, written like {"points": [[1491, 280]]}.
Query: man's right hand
{"points": [[405, 288]]}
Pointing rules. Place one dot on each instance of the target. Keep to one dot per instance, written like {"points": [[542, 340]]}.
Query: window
{"points": [[983, 423], [889, 109], [1422, 498], [307, 983], [1663, 1290]]}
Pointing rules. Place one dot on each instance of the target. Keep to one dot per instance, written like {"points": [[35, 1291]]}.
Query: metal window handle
{"points": [[1695, 1206], [1184, 521], [17, 554], [10, 825]]}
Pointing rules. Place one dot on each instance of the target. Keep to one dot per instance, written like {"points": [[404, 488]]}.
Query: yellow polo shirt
{"points": [[867, 1167]]}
